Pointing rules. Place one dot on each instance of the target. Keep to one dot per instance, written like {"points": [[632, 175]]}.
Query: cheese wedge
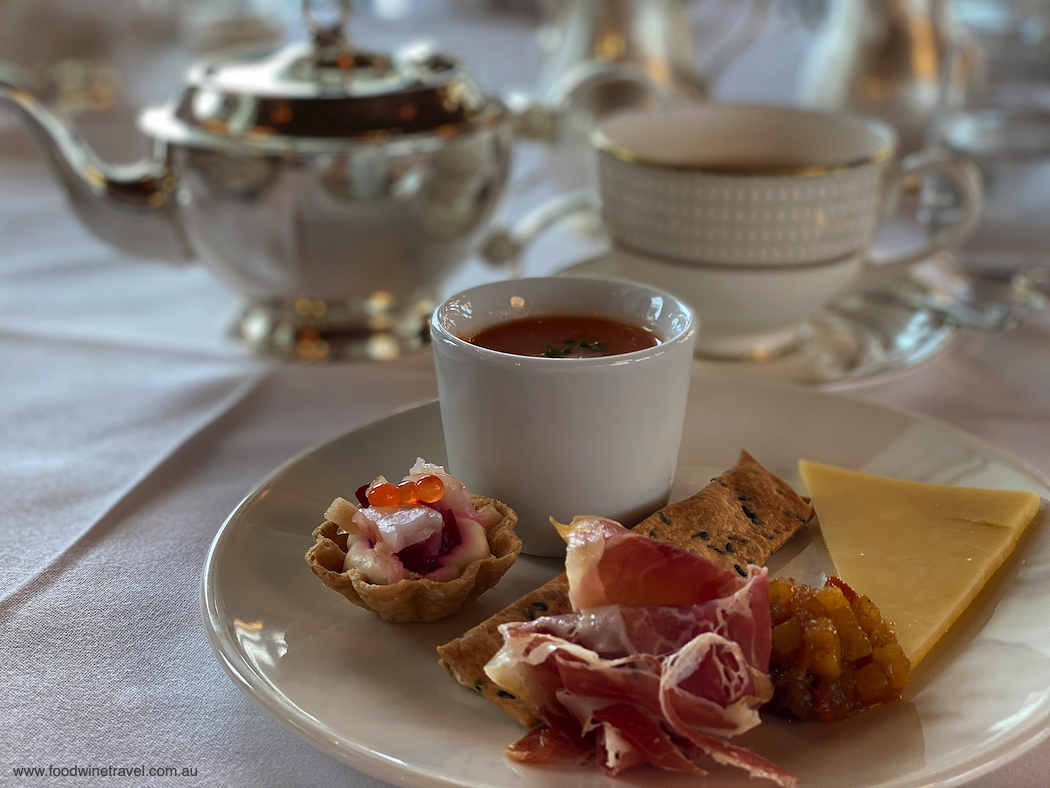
{"points": [[921, 552]]}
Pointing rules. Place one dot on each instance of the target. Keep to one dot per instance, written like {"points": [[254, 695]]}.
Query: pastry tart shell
{"points": [[417, 599]]}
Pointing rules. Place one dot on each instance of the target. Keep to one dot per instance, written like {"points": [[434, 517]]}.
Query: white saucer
{"points": [[371, 694], [858, 336]]}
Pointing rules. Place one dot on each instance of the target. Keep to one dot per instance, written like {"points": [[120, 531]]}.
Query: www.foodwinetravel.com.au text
{"points": [[53, 770]]}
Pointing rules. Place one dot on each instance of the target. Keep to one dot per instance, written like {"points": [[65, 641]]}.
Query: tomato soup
{"points": [[565, 336]]}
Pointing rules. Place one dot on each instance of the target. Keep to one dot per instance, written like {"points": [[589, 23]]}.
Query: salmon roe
{"points": [[407, 491], [430, 488], [383, 494]]}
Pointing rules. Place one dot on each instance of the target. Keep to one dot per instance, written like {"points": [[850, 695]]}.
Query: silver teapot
{"points": [[335, 189]]}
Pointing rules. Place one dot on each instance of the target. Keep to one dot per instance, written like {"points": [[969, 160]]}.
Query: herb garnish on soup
{"points": [[565, 336]]}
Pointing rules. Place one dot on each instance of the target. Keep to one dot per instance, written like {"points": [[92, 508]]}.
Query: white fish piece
{"points": [[399, 526], [379, 569]]}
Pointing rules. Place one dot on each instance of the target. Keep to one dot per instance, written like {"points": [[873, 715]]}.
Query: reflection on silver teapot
{"points": [[598, 56], [335, 189], [602, 56], [584, 38], [885, 58]]}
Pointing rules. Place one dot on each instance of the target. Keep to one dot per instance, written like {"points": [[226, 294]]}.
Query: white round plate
{"points": [[371, 693]]}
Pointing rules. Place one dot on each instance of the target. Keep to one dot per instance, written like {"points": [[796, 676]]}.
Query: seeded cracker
{"points": [[465, 657], [742, 517]]}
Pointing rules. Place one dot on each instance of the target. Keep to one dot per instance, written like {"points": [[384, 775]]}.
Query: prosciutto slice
{"points": [[665, 653]]}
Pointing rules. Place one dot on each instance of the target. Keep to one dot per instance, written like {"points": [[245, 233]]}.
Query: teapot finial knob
{"points": [[327, 33]]}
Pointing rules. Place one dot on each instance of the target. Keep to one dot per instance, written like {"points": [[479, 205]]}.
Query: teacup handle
{"points": [[964, 174]]}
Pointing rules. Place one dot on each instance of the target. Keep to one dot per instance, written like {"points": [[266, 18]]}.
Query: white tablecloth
{"points": [[130, 427]]}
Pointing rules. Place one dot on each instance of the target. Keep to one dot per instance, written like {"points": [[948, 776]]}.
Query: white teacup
{"points": [[560, 437], [757, 216]]}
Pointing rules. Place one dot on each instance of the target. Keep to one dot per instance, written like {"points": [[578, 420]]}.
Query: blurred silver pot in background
{"points": [[598, 57], [882, 58], [335, 189]]}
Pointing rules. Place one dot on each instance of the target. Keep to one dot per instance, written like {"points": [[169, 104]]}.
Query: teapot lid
{"points": [[324, 94]]}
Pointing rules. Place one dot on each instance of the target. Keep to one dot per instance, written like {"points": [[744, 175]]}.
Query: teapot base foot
{"points": [[313, 330]]}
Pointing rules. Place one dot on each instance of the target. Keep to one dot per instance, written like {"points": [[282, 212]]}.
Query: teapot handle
{"points": [[504, 245], [540, 119]]}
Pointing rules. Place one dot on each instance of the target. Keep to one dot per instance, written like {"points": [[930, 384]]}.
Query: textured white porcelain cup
{"points": [[757, 216], [560, 437]]}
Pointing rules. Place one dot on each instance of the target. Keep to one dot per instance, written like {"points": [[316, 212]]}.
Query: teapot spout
{"points": [[131, 207]]}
